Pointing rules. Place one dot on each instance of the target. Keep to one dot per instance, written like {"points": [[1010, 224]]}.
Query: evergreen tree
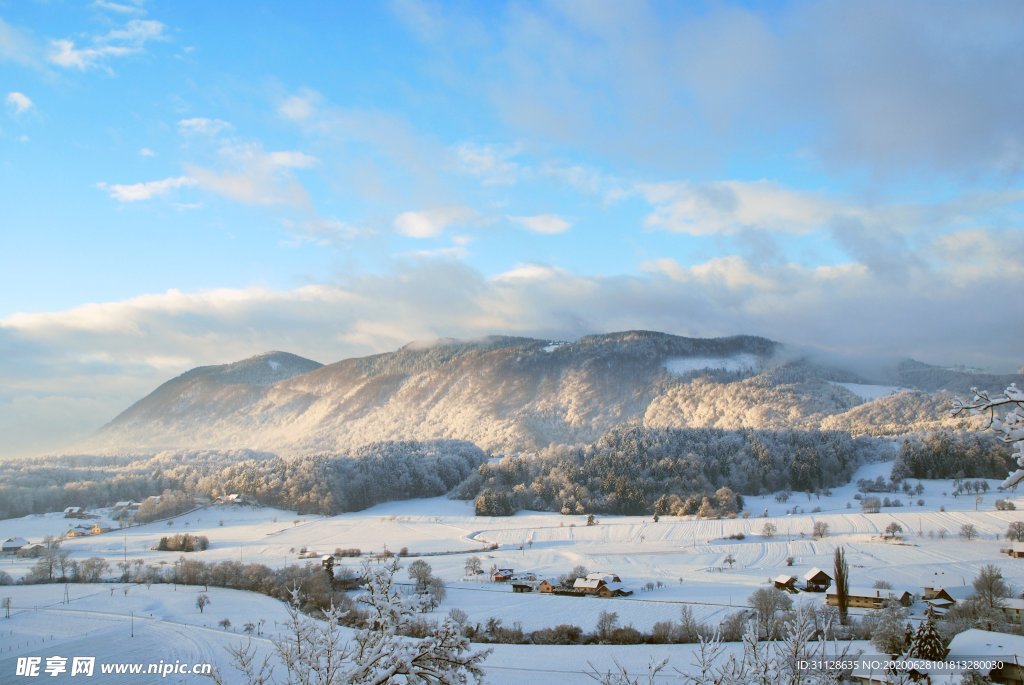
{"points": [[927, 643]]}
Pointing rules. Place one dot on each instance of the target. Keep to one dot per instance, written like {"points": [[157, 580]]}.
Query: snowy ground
{"points": [[686, 556]]}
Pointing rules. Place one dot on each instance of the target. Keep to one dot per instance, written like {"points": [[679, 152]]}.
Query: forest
{"points": [[320, 484], [630, 469]]}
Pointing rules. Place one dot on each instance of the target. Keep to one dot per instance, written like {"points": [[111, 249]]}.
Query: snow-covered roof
{"points": [[602, 575], [984, 643], [11, 543], [882, 593], [587, 583], [814, 572], [957, 593], [1014, 603], [785, 580]]}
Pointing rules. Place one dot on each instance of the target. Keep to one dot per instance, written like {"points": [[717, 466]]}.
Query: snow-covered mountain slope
{"points": [[510, 394]]}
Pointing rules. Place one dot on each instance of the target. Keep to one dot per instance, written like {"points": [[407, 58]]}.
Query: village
{"points": [[535, 570]]}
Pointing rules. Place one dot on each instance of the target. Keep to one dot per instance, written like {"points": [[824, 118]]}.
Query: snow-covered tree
{"points": [[888, 633], [380, 653], [1010, 426], [927, 643], [314, 652], [759, 663]]}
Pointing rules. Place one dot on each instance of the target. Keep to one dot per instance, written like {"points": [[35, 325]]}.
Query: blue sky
{"points": [[190, 183]]}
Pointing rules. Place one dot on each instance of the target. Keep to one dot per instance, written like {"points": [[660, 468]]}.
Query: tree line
{"points": [[636, 470]]}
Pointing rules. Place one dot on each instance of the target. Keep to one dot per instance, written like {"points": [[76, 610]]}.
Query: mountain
{"points": [[512, 394]]}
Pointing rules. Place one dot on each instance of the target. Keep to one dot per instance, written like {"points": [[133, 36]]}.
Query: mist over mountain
{"points": [[512, 394]]}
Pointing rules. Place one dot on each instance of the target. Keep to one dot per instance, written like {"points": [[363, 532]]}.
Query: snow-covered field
{"points": [[870, 392], [685, 559]]}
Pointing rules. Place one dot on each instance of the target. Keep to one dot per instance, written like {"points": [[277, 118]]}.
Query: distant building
{"points": [[503, 575], [969, 646], [97, 529], [75, 513], [817, 580], [12, 545], [31, 551], [78, 532], [944, 598], [988, 645], [233, 498], [787, 583], [870, 598], [547, 586], [602, 584], [613, 590], [521, 587]]}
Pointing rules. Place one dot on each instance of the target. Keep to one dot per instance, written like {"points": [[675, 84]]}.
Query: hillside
{"points": [[513, 394]]}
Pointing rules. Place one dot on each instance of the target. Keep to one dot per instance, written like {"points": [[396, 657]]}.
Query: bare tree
{"points": [[968, 531], [769, 603], [203, 601], [990, 586], [420, 571], [769, 529], [820, 529]]}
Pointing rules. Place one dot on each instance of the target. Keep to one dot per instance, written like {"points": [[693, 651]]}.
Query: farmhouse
{"points": [[985, 644], [12, 545], [503, 575], [587, 586], [1016, 550], [817, 580], [547, 586], [78, 532], [518, 586], [613, 590], [75, 513], [602, 584], [870, 598], [233, 498], [97, 529], [787, 583], [31, 551]]}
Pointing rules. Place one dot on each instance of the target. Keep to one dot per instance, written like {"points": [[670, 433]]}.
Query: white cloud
{"points": [[733, 206], [146, 152], [120, 7], [138, 192], [19, 102], [290, 159], [542, 223], [128, 40], [432, 222], [251, 175], [203, 126], [323, 231], [493, 164], [522, 273], [300, 107]]}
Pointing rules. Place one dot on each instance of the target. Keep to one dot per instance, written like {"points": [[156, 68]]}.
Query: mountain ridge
{"points": [[511, 394]]}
